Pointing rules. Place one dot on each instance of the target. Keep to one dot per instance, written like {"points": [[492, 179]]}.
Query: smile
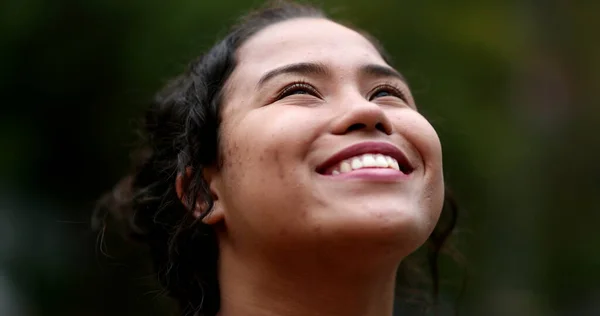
{"points": [[370, 156], [364, 161]]}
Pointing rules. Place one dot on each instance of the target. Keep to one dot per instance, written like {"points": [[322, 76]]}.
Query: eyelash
{"points": [[305, 86], [391, 89], [297, 86]]}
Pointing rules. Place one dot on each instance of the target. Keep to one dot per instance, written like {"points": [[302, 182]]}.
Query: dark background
{"points": [[513, 88]]}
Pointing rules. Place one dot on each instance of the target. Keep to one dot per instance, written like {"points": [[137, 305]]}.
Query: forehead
{"points": [[304, 40]]}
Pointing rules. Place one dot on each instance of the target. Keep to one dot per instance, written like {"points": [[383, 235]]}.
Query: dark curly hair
{"points": [[181, 137]]}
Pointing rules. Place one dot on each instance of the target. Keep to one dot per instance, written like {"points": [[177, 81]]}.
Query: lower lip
{"points": [[371, 174]]}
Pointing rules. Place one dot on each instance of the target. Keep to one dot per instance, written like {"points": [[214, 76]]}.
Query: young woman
{"points": [[287, 172]]}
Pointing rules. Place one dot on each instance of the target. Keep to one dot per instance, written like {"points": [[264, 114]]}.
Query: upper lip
{"points": [[368, 148]]}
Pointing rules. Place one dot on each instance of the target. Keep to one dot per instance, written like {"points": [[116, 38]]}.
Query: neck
{"points": [[301, 286]]}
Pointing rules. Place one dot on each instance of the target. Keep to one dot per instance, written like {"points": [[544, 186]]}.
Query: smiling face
{"points": [[323, 147]]}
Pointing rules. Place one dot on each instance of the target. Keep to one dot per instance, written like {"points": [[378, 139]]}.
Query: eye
{"points": [[298, 88], [387, 90]]}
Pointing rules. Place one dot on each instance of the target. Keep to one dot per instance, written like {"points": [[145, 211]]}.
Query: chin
{"points": [[391, 230]]}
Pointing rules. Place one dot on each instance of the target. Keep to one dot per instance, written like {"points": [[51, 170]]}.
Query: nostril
{"points": [[360, 126], [356, 127], [380, 127]]}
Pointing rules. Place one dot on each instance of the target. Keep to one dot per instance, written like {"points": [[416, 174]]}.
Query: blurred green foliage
{"points": [[511, 86]]}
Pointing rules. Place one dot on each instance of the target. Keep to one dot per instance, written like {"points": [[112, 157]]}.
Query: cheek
{"points": [[263, 168], [257, 147], [270, 136], [426, 143], [422, 137], [429, 146]]}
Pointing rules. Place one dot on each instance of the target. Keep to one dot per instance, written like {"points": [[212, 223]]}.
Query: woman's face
{"points": [[315, 126]]}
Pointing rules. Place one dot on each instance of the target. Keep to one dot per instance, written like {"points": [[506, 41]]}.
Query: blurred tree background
{"points": [[511, 86]]}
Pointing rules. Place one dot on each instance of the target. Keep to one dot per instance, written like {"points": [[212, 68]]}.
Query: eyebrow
{"points": [[316, 69], [374, 70], [319, 69]]}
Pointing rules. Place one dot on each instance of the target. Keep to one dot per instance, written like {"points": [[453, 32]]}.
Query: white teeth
{"points": [[345, 167], [366, 161], [356, 163], [395, 165], [381, 161]]}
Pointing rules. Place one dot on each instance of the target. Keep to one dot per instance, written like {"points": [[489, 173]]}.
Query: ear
{"points": [[211, 176]]}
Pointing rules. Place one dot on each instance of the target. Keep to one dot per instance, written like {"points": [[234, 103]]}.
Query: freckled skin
{"points": [[268, 191]]}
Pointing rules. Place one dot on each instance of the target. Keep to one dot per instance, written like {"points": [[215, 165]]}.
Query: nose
{"points": [[362, 115]]}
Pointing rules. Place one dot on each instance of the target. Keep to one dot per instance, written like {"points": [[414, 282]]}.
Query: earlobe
{"points": [[217, 214], [201, 207], [213, 217]]}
